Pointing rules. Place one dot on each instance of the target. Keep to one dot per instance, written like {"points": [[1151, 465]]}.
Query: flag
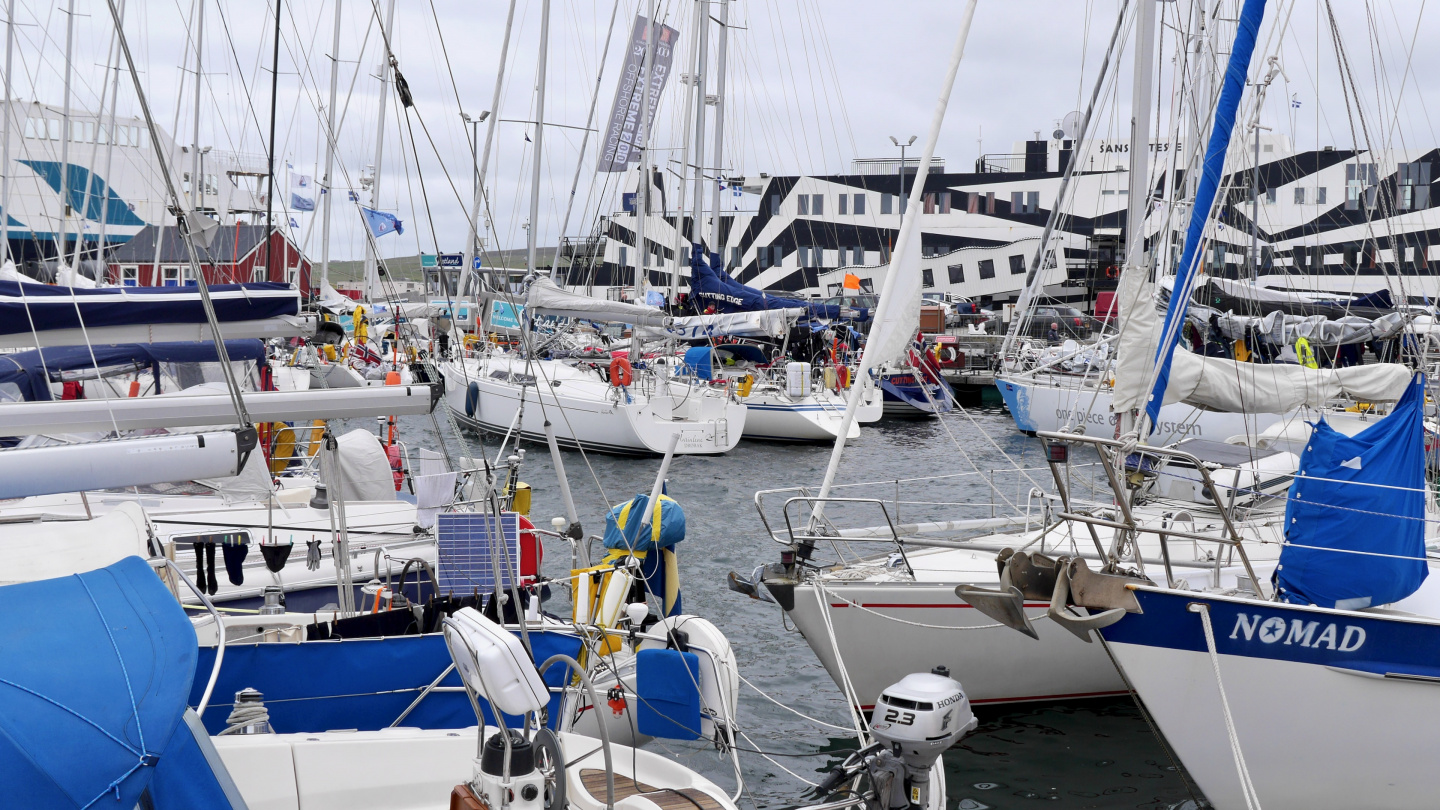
{"points": [[527, 138], [1295, 102], [302, 191], [852, 282], [381, 223], [294, 224], [355, 198]]}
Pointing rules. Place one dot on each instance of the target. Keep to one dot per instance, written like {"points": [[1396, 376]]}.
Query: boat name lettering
{"points": [[1298, 631]]}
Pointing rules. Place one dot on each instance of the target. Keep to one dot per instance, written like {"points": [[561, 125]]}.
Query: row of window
{"points": [[49, 129], [938, 202], [181, 275]]}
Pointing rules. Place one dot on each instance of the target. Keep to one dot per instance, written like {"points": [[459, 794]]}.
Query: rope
{"points": [[245, 714], [851, 699], [774, 762], [1252, 801], [793, 711], [914, 624]]}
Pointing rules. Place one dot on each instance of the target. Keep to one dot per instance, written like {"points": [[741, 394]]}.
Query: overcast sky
{"points": [[812, 85]]}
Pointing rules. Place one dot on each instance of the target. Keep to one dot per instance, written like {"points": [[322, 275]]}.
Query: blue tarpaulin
{"points": [[93, 679], [1364, 495], [26, 307], [667, 692], [713, 287], [622, 525], [30, 371]]}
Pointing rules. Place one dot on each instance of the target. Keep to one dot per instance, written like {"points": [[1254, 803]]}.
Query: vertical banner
{"points": [[624, 131]]}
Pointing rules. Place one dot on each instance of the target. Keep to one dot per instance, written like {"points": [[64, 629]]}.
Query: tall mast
{"points": [[532, 234], [9, 111], [60, 238], [693, 97], [647, 67], [370, 257], [721, 42], [585, 138], [701, 67], [270, 146], [472, 245], [197, 183], [110, 140], [327, 187]]}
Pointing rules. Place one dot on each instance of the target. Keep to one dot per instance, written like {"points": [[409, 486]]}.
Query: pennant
{"points": [[381, 222]]}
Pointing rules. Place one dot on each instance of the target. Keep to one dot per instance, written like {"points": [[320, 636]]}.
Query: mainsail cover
{"points": [[544, 296], [771, 323], [1225, 385], [1355, 522], [712, 287], [42, 307]]}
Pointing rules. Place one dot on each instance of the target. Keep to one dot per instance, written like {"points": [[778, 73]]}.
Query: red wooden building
{"points": [[238, 254]]}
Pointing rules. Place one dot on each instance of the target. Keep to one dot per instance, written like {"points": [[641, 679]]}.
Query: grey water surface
{"points": [[1086, 754]]}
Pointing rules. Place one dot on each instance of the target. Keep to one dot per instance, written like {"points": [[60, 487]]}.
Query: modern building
{"points": [[1328, 219]]}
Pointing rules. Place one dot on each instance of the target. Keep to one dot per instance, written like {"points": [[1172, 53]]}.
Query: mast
{"points": [[694, 97], [327, 187], [370, 256], [1137, 314], [642, 255], [585, 137], [531, 235], [721, 43], [9, 110], [702, 65], [197, 183], [270, 146], [110, 142], [472, 245], [60, 237]]}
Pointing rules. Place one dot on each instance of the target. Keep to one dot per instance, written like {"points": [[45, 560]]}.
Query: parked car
{"points": [[1070, 322]]}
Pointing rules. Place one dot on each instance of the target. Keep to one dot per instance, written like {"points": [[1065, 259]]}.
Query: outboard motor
{"points": [[914, 721]]}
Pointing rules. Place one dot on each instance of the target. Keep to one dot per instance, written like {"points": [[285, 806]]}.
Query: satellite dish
{"points": [[1070, 125], [1058, 134]]}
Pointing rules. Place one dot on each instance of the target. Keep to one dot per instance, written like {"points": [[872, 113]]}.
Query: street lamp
{"points": [[902, 146]]}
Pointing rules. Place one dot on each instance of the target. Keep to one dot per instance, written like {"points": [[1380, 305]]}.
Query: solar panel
{"points": [[470, 555]]}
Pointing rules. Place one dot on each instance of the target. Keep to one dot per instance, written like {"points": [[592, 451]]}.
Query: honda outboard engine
{"points": [[913, 723]]}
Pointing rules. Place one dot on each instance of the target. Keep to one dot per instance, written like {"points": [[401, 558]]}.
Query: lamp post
{"points": [[474, 133], [902, 146]]}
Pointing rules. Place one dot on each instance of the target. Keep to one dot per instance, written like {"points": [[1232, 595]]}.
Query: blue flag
{"points": [[353, 196], [381, 223]]}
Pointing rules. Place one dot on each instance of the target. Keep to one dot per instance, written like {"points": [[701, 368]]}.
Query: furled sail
{"points": [[772, 323], [1225, 385], [545, 297], [1355, 522]]}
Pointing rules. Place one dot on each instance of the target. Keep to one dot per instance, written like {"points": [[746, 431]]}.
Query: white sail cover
{"points": [[51, 549], [1282, 329], [771, 323], [364, 468], [1225, 385], [546, 297], [331, 299]]}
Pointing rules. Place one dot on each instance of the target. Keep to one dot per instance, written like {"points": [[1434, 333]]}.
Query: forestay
{"points": [[1355, 523]]}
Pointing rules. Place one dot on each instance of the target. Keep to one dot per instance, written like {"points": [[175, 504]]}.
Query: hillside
{"points": [[407, 268]]}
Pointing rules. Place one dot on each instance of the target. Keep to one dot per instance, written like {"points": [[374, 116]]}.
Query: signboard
{"points": [[428, 260], [477, 262], [624, 132], [505, 315], [452, 260]]}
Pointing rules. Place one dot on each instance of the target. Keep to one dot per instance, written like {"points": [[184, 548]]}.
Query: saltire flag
{"points": [[381, 222], [353, 197]]}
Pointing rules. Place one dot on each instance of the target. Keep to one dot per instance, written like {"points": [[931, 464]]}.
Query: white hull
{"points": [[1057, 402], [587, 412], [773, 416]]}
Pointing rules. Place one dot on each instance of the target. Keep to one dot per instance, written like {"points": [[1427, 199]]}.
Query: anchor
{"points": [[1085, 590], [1021, 575]]}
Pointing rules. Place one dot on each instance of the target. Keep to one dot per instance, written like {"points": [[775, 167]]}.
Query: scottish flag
{"points": [[381, 223]]}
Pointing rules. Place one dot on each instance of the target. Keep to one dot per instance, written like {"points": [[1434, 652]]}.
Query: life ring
{"points": [[1112, 272], [621, 373], [947, 353]]}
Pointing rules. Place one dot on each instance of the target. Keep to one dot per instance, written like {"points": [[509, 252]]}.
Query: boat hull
{"points": [[1300, 681]]}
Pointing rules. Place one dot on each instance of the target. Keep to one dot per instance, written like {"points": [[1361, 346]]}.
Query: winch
{"points": [[914, 721]]}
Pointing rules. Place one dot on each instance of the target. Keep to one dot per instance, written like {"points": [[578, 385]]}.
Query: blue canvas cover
{"points": [[622, 525], [698, 362], [667, 693], [1366, 494], [26, 307], [711, 286], [93, 678], [30, 371]]}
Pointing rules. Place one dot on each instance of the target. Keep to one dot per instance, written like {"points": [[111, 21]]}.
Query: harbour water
{"points": [[1089, 754]]}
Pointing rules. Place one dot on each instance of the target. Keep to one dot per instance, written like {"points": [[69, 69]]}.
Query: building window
{"points": [[1017, 265], [987, 268], [943, 199], [802, 205], [624, 255], [1319, 195], [859, 204], [1299, 195], [887, 203], [956, 273], [929, 200], [188, 276], [292, 275], [1360, 180], [859, 254], [170, 277], [844, 204], [1032, 202], [734, 257], [129, 276], [774, 205], [989, 202], [1269, 196], [927, 277], [1017, 202], [1413, 192], [817, 205], [259, 274], [904, 204]]}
